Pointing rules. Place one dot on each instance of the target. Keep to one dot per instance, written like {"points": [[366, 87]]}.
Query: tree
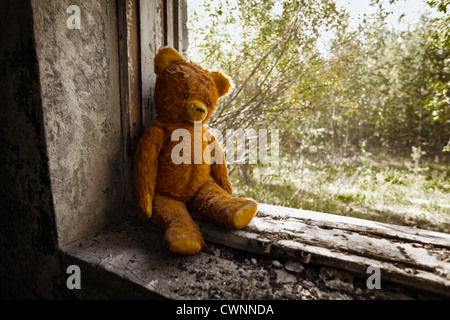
{"points": [[373, 87], [439, 83], [272, 58]]}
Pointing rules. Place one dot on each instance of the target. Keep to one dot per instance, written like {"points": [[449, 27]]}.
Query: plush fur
{"points": [[185, 93]]}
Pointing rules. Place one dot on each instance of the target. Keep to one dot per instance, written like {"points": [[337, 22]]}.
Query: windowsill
{"points": [[239, 264]]}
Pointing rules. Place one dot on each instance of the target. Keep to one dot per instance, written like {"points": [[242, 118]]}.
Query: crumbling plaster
{"points": [[79, 77]]}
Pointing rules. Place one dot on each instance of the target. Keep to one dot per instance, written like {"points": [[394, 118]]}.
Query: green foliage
{"points": [[441, 33], [360, 187], [386, 87], [268, 48], [438, 101], [370, 92]]}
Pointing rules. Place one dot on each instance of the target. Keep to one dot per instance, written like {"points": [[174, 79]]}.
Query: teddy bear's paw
{"points": [[184, 239], [244, 215], [185, 246]]}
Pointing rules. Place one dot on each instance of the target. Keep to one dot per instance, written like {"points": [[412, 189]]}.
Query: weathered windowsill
{"points": [[240, 264]]}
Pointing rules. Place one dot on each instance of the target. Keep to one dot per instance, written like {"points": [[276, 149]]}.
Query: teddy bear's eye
{"points": [[186, 95], [208, 104]]}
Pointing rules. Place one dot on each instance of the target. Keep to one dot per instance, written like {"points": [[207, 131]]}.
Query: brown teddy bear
{"points": [[185, 97]]}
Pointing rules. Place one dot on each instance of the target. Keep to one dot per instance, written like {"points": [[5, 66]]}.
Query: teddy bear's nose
{"points": [[195, 111]]}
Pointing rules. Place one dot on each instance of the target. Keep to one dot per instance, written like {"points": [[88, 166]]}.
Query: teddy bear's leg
{"points": [[215, 203], [181, 232]]}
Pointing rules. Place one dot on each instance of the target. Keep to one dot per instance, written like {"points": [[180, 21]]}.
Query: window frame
{"points": [[144, 27]]}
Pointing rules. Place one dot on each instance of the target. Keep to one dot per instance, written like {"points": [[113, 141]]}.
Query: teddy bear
{"points": [[166, 190]]}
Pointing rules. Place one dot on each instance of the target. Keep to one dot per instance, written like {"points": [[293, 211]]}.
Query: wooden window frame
{"points": [[143, 28], [409, 257]]}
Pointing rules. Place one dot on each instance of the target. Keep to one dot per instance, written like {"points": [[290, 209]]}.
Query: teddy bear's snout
{"points": [[195, 111]]}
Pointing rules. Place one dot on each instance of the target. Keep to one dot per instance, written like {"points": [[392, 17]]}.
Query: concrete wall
{"points": [[79, 79], [63, 166], [61, 137], [27, 221]]}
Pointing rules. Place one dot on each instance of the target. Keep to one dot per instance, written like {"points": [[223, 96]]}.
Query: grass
{"points": [[382, 190]]}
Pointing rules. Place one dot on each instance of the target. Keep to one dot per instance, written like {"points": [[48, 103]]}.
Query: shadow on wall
{"points": [[27, 224]]}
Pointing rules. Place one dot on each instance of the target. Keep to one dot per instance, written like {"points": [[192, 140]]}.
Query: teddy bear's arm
{"points": [[219, 171], [146, 167]]}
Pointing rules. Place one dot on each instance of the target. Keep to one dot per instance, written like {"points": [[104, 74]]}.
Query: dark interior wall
{"points": [[29, 266], [61, 139]]}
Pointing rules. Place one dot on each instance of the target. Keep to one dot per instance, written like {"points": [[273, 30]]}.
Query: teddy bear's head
{"points": [[184, 91]]}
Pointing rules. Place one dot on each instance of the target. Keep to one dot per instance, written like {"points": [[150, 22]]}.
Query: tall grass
{"points": [[364, 187]]}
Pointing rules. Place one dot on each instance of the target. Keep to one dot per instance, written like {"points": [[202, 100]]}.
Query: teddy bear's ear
{"points": [[166, 57], [222, 83]]}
